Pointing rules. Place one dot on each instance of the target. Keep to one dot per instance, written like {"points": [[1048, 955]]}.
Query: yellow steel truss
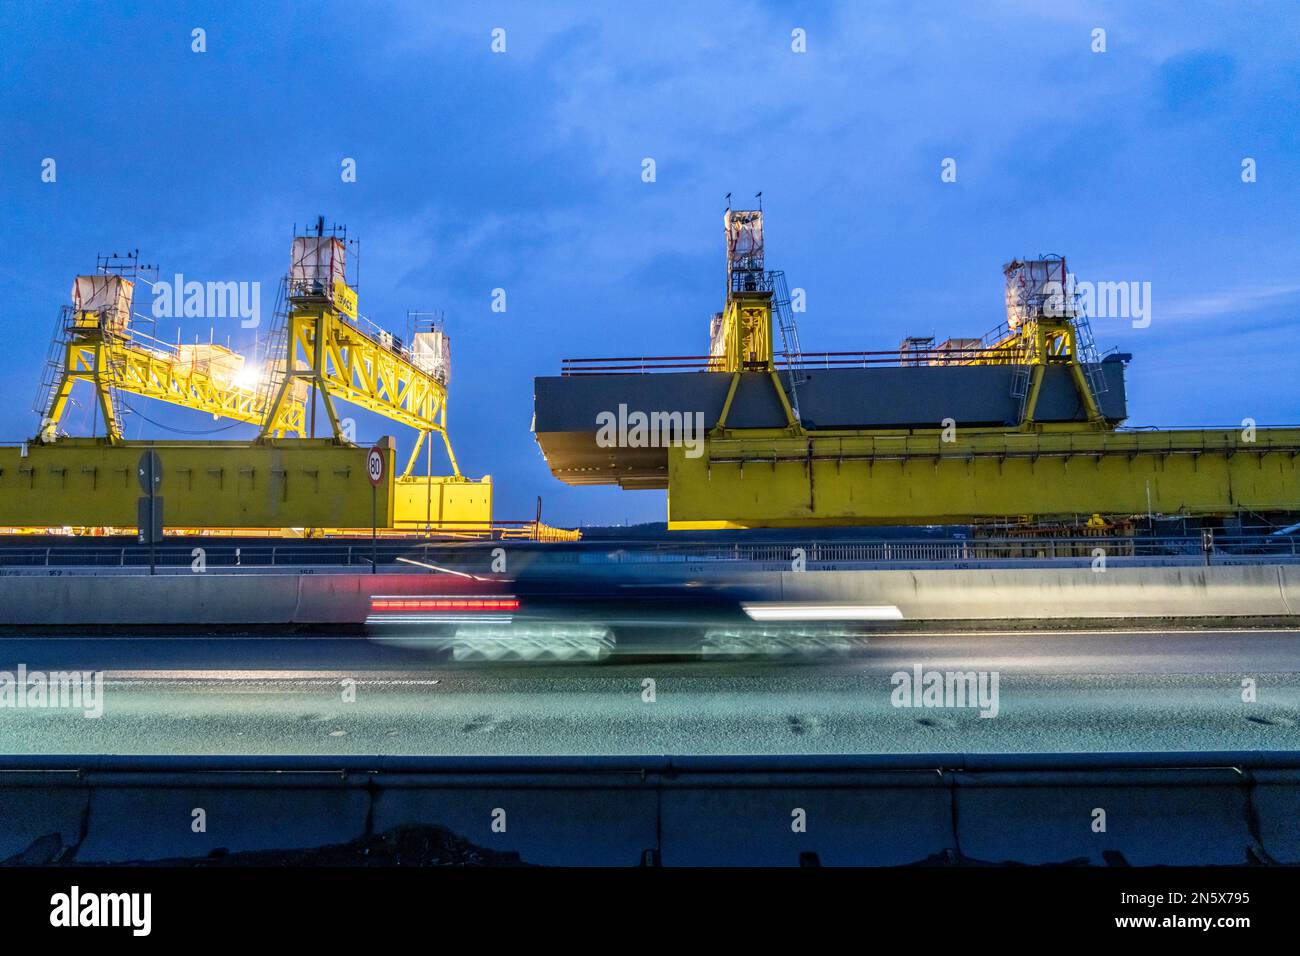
{"points": [[345, 362], [111, 361]]}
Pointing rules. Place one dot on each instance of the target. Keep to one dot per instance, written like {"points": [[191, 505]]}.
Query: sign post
{"points": [[149, 509], [375, 472]]}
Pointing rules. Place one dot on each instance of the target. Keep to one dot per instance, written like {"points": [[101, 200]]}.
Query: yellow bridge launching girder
{"points": [[278, 484], [935, 458], [345, 362], [286, 483], [114, 361], [827, 478]]}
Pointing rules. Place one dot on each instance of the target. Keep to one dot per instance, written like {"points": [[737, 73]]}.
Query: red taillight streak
{"points": [[445, 604]]}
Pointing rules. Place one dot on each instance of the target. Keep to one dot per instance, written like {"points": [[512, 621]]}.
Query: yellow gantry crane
{"points": [[1044, 328], [286, 478], [332, 351], [741, 336]]}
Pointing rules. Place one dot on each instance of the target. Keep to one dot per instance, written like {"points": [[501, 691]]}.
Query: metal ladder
{"points": [[1023, 374], [1020, 388], [116, 372], [1088, 356], [276, 348], [790, 349], [52, 372]]}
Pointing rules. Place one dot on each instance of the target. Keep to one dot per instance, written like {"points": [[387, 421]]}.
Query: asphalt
{"points": [[1111, 691]]}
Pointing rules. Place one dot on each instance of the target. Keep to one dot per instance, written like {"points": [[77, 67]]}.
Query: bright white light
{"points": [[247, 377], [823, 612]]}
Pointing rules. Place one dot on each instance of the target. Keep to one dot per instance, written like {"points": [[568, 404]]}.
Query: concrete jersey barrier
{"points": [[996, 594]]}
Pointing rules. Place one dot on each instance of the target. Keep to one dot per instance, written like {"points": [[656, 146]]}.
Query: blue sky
{"points": [[522, 171]]}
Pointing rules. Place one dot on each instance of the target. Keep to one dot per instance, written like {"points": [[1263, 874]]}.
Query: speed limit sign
{"points": [[375, 466]]}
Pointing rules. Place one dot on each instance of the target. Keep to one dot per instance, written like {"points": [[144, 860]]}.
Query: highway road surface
{"points": [[326, 695]]}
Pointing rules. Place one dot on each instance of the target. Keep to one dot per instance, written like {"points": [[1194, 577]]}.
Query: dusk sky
{"points": [[522, 170]]}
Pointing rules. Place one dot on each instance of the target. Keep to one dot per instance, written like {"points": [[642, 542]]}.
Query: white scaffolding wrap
{"points": [[431, 354], [744, 228], [717, 344], [108, 296], [1037, 288], [317, 261]]}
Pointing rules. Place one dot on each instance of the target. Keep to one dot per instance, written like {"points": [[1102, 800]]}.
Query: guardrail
{"points": [[413, 554], [974, 549], [213, 555]]}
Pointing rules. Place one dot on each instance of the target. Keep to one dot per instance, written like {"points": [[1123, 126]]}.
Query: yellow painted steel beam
{"points": [[747, 332], [721, 424], [285, 483], [360, 370], [1040, 342], [114, 362], [791, 423], [905, 479], [348, 364]]}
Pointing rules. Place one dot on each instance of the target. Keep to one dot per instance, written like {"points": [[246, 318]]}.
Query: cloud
{"points": [[1232, 302]]}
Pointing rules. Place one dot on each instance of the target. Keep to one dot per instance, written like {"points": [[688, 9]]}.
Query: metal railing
{"points": [[972, 549], [412, 555], [1008, 354]]}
